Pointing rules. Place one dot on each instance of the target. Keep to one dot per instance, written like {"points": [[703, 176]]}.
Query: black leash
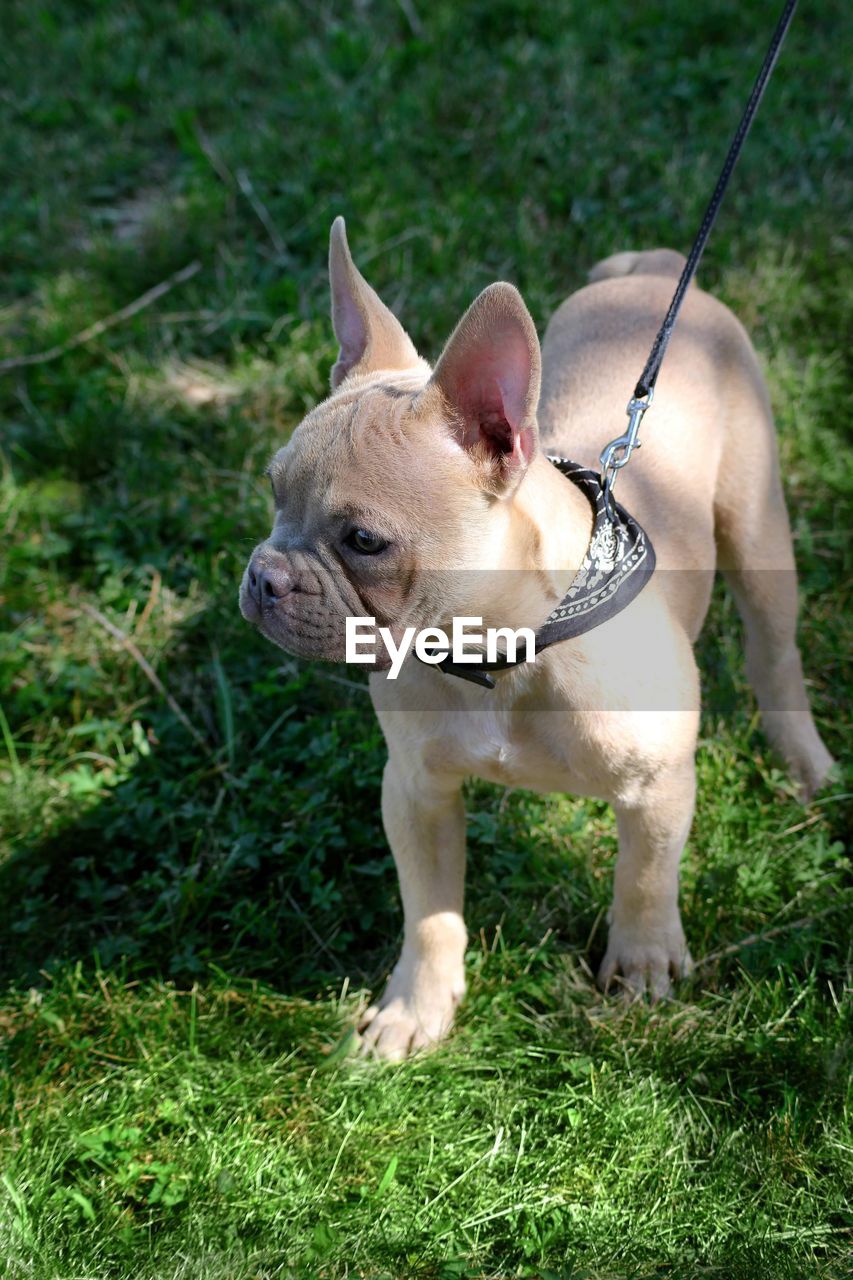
{"points": [[644, 390], [611, 577]]}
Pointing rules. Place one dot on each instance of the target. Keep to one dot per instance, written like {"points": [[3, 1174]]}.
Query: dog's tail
{"points": [[651, 262]]}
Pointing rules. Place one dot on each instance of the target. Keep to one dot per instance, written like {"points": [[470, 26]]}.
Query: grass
{"points": [[193, 901]]}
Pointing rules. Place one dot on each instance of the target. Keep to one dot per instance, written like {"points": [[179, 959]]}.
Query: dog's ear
{"points": [[489, 375], [371, 337]]}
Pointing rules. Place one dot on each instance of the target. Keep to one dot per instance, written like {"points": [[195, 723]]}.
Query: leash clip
{"points": [[627, 443]]}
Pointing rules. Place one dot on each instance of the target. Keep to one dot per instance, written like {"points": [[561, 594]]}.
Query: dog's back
{"points": [[710, 422], [706, 484]]}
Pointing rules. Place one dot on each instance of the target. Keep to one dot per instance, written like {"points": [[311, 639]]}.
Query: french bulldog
{"points": [[412, 495]]}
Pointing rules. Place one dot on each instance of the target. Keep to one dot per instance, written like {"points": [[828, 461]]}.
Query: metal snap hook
{"points": [[627, 443]]}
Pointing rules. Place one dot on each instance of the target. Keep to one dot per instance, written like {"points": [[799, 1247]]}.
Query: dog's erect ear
{"points": [[371, 337], [489, 375]]}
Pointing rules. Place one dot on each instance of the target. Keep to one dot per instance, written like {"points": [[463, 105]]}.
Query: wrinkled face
{"points": [[394, 489], [376, 514]]}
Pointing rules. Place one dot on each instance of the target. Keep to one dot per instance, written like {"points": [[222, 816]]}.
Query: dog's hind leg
{"points": [[756, 557]]}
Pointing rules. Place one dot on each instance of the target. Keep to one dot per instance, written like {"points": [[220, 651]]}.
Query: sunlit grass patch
{"points": [[575, 1131]]}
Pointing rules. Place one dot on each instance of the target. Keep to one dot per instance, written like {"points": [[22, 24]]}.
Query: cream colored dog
{"points": [[413, 495]]}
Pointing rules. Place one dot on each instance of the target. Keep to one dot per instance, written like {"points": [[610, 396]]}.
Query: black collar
{"points": [[618, 563]]}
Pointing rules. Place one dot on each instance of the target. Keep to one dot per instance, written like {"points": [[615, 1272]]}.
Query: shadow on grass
{"points": [[272, 864]]}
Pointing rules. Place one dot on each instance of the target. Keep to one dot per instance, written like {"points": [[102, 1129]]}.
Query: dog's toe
{"points": [[639, 967], [393, 1032], [367, 1017]]}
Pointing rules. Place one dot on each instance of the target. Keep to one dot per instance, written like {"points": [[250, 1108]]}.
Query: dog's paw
{"points": [[814, 771], [413, 1014], [644, 962]]}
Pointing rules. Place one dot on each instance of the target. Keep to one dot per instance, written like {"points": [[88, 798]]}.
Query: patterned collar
{"points": [[618, 563]]}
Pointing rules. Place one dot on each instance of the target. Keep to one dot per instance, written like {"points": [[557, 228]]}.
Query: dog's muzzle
{"points": [[298, 604]]}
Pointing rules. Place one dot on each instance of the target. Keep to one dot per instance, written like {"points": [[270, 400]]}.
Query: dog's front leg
{"points": [[424, 819], [646, 944]]}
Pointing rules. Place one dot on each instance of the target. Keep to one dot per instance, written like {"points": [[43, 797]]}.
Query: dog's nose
{"points": [[268, 583]]}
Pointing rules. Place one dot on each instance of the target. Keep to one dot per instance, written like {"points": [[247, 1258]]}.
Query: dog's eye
{"points": [[365, 542]]}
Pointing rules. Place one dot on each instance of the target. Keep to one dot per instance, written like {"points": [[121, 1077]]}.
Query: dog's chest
{"points": [[501, 746]]}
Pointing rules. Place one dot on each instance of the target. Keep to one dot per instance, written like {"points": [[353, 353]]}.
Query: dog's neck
{"points": [[560, 515], [536, 548]]}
